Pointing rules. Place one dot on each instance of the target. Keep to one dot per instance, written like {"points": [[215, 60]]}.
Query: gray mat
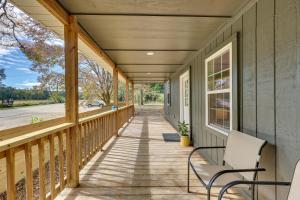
{"points": [[171, 137]]}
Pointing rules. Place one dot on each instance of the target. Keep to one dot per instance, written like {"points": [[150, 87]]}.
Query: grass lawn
{"points": [[22, 103]]}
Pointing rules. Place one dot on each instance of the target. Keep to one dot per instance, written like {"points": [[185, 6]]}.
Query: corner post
{"points": [[71, 82]]}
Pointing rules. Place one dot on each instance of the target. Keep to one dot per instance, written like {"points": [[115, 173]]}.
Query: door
{"points": [[185, 97]]}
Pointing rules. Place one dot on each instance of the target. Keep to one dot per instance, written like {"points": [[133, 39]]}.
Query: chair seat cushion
{"points": [[207, 171]]}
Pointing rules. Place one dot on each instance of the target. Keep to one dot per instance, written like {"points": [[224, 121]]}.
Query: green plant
{"points": [[56, 97], [36, 119], [183, 128]]}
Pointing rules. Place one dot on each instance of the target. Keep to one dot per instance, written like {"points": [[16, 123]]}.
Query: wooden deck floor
{"points": [[139, 165]]}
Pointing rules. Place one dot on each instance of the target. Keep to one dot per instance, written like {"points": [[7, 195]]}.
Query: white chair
{"points": [[294, 192], [240, 162]]}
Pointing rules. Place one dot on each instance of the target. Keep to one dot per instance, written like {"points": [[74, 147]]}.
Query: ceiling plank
{"points": [[84, 36]]}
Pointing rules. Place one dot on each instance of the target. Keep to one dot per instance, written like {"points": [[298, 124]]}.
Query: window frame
{"points": [[219, 52], [168, 89]]}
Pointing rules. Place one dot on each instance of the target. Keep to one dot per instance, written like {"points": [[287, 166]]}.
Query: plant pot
{"points": [[184, 141]]}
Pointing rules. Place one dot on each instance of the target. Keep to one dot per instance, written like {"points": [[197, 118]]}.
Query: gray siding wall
{"points": [[269, 87]]}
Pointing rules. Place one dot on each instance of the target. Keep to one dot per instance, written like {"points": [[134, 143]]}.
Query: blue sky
{"points": [[17, 68]]}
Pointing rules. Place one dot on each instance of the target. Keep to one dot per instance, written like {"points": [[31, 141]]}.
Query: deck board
{"points": [[140, 165]]}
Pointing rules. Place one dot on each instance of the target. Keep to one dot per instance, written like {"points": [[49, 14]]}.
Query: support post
{"points": [[142, 94], [132, 92], [115, 100], [115, 87], [71, 77], [127, 92]]}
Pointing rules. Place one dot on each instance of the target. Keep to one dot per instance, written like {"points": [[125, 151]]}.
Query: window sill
{"points": [[212, 128]]}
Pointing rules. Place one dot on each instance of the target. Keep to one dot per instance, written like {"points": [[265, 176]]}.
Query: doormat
{"points": [[171, 137]]}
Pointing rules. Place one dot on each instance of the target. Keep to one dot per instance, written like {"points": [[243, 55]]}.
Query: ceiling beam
{"points": [[147, 64], [148, 78], [149, 15], [147, 72], [155, 81], [148, 81], [155, 50]]}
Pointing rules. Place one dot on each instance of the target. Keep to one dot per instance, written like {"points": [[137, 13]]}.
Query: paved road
{"points": [[13, 117]]}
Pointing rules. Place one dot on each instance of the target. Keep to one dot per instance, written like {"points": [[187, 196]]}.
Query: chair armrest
{"points": [[231, 184], [220, 173], [198, 148]]}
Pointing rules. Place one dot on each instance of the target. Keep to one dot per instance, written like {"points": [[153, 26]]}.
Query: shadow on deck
{"points": [[139, 165]]}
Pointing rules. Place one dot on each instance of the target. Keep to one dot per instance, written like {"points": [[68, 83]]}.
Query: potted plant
{"points": [[184, 134]]}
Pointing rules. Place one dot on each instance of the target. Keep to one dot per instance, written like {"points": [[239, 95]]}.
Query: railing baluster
{"points": [[93, 137], [42, 184], [101, 133], [68, 155], [85, 142], [90, 140], [97, 133], [52, 166], [10, 168], [80, 145], [109, 125], [29, 178], [61, 161], [107, 131]]}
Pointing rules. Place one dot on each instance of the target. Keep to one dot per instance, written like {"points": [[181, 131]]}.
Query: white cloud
{"points": [[24, 69], [29, 84], [6, 51]]}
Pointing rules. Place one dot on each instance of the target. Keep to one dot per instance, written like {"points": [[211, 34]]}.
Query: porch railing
{"points": [[54, 143]]}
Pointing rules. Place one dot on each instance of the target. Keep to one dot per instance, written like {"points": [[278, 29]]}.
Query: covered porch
{"points": [[230, 65], [140, 164]]}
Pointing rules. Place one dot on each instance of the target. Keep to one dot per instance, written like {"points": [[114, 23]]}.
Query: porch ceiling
{"points": [[127, 29]]}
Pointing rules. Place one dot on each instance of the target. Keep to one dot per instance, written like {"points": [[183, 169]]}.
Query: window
{"points": [[218, 69], [168, 89]]}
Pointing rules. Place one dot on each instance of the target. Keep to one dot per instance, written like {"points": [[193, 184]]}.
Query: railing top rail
{"points": [[92, 117], [124, 107], [28, 137], [37, 134]]}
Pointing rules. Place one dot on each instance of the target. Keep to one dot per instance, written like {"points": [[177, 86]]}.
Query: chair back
{"points": [[294, 193], [243, 152]]}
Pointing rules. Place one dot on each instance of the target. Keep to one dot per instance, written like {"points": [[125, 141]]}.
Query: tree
{"points": [[41, 46], [95, 81], [2, 76], [46, 51], [8, 25]]}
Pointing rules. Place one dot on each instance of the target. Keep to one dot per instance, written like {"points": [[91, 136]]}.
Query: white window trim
{"points": [[216, 54]]}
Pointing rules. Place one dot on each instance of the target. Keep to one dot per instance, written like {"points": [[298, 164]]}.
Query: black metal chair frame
{"points": [[220, 173], [252, 183]]}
